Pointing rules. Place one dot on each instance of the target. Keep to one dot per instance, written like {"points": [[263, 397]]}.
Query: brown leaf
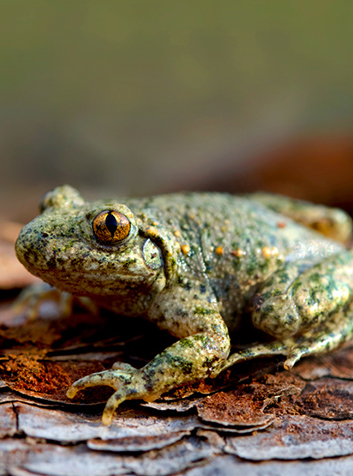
{"points": [[329, 399], [337, 364], [129, 424], [295, 437], [8, 420], [55, 460], [230, 465], [172, 459], [233, 409], [137, 443], [49, 380]]}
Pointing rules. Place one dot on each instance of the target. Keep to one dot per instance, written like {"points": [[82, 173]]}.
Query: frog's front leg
{"points": [[202, 349], [31, 298], [307, 312]]}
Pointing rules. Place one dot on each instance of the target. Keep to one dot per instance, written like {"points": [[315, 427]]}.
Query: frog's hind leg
{"points": [[331, 222], [307, 312], [335, 332]]}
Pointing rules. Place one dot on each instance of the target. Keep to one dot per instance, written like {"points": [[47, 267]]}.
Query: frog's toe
{"points": [[293, 357], [125, 393], [112, 378], [128, 382]]}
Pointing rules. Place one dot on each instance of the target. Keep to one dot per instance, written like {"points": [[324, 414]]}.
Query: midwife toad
{"points": [[195, 263]]}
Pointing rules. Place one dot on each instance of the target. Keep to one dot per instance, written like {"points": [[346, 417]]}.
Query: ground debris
{"points": [[295, 437], [233, 409], [336, 364]]}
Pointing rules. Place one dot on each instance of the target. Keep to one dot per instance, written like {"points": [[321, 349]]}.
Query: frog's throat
{"points": [[164, 242]]}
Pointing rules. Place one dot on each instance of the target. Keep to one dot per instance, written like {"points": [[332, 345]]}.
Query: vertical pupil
{"points": [[111, 223]]}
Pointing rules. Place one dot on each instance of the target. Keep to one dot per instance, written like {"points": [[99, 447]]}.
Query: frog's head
{"points": [[90, 249]]}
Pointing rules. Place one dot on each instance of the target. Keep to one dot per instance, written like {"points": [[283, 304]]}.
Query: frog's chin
{"points": [[70, 280]]}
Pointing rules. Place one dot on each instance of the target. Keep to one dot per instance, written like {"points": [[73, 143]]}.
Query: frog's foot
{"points": [[261, 350], [31, 298], [125, 379], [289, 348]]}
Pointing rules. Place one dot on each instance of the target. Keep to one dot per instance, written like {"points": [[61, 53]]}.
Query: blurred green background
{"points": [[141, 97]]}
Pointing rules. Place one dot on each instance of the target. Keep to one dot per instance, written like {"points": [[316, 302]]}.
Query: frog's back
{"points": [[224, 234], [227, 220]]}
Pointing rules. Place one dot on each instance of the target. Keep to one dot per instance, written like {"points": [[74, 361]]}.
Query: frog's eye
{"points": [[111, 227]]}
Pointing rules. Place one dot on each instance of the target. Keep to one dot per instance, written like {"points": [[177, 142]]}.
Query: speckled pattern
{"points": [[196, 264]]}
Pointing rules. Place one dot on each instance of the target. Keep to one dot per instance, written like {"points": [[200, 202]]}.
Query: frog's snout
{"points": [[32, 249], [24, 249]]}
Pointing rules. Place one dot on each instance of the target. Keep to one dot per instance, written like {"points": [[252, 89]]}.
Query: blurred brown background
{"points": [[142, 97]]}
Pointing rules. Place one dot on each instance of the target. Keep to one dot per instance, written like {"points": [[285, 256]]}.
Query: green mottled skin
{"points": [[195, 264]]}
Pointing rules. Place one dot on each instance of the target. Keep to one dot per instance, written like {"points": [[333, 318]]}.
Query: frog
{"points": [[197, 265]]}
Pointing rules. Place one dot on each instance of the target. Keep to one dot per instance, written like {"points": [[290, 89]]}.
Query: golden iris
{"points": [[111, 227]]}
